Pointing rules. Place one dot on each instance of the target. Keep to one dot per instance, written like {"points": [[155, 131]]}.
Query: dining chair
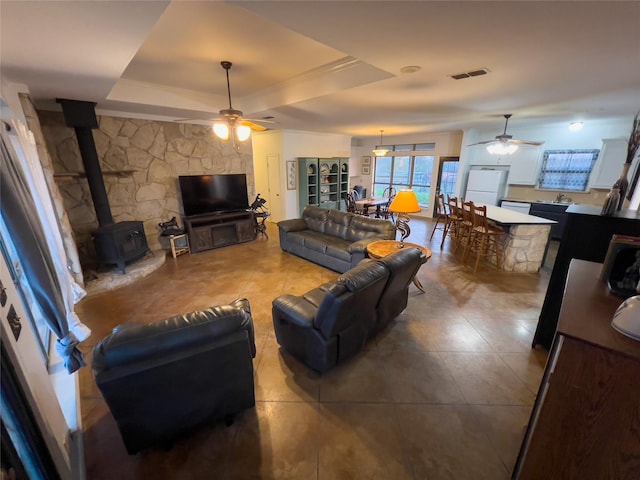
{"points": [[389, 193], [485, 239], [350, 199]]}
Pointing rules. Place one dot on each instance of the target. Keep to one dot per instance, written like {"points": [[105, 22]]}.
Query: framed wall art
{"points": [[291, 175], [366, 160], [366, 170]]}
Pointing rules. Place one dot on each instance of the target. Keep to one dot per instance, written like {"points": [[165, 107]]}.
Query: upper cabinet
{"points": [[608, 166], [525, 163], [480, 156]]}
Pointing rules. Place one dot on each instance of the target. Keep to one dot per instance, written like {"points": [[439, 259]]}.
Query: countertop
{"points": [[503, 216], [588, 308]]}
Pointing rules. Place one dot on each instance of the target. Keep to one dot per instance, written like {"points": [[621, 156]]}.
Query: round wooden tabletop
{"points": [[382, 248]]}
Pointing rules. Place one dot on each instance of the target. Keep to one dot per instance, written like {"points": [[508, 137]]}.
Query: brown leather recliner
{"points": [[331, 323], [163, 379]]}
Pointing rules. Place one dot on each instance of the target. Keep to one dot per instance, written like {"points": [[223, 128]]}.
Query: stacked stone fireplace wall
{"points": [[141, 161]]}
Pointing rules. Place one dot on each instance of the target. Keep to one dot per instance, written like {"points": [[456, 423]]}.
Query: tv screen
{"points": [[213, 193]]}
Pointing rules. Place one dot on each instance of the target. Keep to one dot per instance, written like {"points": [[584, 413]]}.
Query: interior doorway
{"points": [[447, 177], [272, 196]]}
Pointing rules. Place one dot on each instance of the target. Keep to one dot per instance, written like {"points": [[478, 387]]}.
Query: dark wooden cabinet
{"points": [[218, 230], [551, 211], [585, 420], [586, 236]]}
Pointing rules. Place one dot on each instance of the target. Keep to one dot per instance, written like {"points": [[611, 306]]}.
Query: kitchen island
{"points": [[526, 239]]}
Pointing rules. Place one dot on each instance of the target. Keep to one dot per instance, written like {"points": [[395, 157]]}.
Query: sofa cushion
{"points": [[297, 238], [338, 248], [362, 227], [316, 241], [315, 217], [337, 224]]}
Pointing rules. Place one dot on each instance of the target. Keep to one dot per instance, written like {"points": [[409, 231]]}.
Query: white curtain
{"points": [[69, 329]]}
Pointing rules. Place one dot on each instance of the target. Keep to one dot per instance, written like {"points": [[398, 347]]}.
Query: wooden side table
{"points": [[382, 248], [179, 244]]}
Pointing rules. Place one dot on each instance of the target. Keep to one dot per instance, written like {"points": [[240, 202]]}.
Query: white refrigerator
{"points": [[486, 186]]}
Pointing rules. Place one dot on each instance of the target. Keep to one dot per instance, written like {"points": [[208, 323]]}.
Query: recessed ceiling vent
{"points": [[473, 73]]}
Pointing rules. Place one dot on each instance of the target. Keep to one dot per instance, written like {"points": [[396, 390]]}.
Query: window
{"points": [[406, 167], [567, 169]]}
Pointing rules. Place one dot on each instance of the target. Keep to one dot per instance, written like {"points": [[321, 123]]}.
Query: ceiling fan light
{"points": [[221, 130], [243, 132], [502, 148]]}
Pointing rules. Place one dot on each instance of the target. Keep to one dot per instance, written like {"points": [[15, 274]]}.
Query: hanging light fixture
{"points": [[502, 148], [231, 122], [380, 152]]}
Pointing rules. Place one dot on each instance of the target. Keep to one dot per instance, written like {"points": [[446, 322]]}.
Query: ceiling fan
{"points": [[231, 124], [504, 144]]}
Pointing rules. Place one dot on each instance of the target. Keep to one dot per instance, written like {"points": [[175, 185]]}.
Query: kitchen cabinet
{"points": [[520, 207], [608, 166], [480, 156], [525, 164], [585, 418], [551, 211]]}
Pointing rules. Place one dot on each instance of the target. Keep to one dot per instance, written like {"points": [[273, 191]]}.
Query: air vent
{"points": [[473, 73]]}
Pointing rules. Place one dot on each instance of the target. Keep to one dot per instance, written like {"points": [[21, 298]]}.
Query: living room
{"points": [[144, 142]]}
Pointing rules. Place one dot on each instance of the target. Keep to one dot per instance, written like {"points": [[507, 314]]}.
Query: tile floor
{"points": [[444, 393]]}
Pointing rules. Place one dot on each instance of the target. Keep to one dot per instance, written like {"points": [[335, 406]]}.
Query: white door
{"points": [[273, 196]]}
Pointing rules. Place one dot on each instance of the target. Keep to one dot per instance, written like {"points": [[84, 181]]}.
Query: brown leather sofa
{"points": [[331, 238], [163, 379], [331, 323]]}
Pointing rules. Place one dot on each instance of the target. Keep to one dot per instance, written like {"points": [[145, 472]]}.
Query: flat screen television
{"points": [[203, 194]]}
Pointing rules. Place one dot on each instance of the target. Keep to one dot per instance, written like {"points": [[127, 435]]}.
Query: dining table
{"points": [[365, 204]]}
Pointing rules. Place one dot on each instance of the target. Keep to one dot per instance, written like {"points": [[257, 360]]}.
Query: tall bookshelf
{"points": [[323, 182]]}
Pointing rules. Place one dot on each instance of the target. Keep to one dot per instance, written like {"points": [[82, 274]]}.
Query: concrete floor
{"points": [[444, 393]]}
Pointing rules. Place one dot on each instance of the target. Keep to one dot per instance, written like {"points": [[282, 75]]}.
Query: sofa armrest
{"points": [[292, 225], [361, 245], [295, 310]]}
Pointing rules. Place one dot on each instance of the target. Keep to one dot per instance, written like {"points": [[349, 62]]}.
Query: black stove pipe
{"points": [[82, 117]]}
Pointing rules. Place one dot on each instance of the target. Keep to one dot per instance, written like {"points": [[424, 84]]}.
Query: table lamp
{"points": [[403, 203]]}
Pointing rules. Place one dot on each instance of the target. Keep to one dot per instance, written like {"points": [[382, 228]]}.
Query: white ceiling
{"points": [[332, 66]]}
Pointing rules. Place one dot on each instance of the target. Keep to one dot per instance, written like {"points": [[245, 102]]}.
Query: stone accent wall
{"points": [[141, 161], [66, 231]]}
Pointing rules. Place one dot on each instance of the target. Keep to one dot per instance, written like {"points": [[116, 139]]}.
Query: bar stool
{"points": [[465, 226], [484, 239], [441, 215], [452, 221]]}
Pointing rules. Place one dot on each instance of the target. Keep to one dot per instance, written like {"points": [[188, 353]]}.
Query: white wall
{"points": [[290, 145]]}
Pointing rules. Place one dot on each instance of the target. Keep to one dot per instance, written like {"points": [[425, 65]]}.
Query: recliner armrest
{"points": [[295, 310]]}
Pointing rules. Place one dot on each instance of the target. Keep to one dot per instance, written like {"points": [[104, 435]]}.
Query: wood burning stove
{"points": [[115, 243], [120, 243]]}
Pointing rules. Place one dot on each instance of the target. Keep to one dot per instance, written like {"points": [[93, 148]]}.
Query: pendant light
{"points": [[380, 152]]}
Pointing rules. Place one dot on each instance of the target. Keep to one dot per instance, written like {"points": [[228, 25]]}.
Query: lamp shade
{"points": [[405, 201], [243, 132]]}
